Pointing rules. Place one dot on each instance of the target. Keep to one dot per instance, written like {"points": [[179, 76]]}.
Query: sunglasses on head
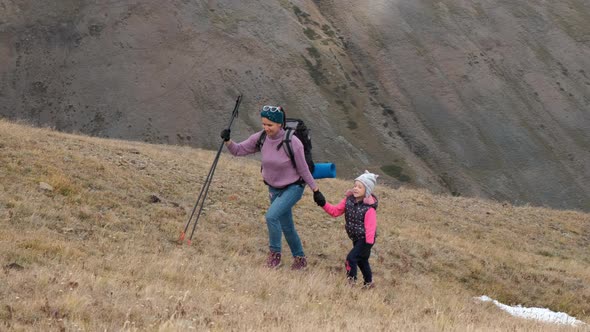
{"points": [[272, 108]]}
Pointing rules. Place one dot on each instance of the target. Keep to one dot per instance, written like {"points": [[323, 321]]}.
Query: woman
{"points": [[285, 182]]}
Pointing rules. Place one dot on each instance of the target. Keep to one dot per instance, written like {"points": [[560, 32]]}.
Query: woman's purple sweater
{"points": [[277, 169]]}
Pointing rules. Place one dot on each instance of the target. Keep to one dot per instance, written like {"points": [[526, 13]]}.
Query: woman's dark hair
{"points": [[284, 117]]}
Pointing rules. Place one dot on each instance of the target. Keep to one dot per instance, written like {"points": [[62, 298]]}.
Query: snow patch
{"points": [[541, 314]]}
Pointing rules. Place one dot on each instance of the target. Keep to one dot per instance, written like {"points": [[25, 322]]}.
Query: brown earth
{"points": [[481, 98]]}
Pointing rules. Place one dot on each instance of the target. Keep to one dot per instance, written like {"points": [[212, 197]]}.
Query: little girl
{"points": [[359, 209]]}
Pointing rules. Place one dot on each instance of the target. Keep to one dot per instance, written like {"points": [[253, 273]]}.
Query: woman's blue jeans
{"points": [[279, 218]]}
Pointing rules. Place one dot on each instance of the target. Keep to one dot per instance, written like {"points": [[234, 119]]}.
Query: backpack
{"points": [[293, 127]]}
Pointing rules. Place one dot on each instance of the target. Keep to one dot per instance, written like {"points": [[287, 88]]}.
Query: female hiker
{"points": [[360, 213], [285, 182]]}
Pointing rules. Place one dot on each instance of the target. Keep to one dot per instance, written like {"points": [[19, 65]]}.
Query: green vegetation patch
{"points": [[395, 171], [298, 12], [311, 34], [328, 31], [302, 16], [315, 71], [313, 52]]}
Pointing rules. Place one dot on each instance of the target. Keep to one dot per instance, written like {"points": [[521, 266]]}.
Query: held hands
{"points": [[319, 198], [225, 133]]}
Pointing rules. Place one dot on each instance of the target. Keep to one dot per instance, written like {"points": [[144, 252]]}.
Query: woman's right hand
{"points": [[225, 134]]}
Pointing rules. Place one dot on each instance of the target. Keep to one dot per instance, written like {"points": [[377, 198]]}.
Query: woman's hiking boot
{"points": [[299, 263], [273, 260]]}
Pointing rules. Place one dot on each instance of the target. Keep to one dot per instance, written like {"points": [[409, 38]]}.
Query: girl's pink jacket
{"points": [[370, 216]]}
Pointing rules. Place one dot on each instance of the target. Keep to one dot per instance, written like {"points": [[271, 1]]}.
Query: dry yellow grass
{"points": [[95, 254]]}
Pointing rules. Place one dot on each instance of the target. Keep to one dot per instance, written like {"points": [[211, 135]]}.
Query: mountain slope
{"points": [[96, 250], [492, 96], [470, 98]]}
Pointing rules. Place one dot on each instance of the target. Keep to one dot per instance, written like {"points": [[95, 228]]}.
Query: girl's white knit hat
{"points": [[369, 180]]}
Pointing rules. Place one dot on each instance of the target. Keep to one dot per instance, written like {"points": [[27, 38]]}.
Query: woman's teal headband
{"points": [[273, 113]]}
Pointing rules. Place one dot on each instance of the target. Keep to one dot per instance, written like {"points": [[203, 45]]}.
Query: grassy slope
{"points": [[97, 254]]}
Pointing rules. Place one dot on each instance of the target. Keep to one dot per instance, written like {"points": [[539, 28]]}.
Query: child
{"points": [[359, 209]]}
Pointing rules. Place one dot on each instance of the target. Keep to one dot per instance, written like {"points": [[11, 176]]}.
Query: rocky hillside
{"points": [[479, 98]]}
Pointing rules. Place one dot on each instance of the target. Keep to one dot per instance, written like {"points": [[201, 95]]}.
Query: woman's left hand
{"points": [[319, 198]]}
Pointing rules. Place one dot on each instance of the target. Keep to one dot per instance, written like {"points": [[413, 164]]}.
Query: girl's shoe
{"points": [[273, 260], [299, 263], [368, 285], [350, 281]]}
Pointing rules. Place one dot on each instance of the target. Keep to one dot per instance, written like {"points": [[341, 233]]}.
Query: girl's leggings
{"points": [[359, 256]]}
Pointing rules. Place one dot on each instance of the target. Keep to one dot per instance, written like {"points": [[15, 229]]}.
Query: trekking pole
{"points": [[208, 180]]}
